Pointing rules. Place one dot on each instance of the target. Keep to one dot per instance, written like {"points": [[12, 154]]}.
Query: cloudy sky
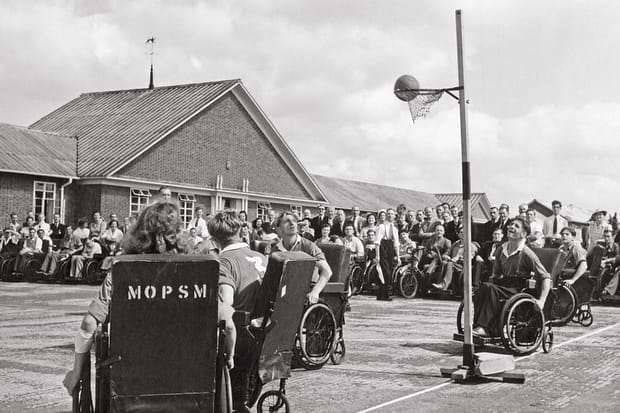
{"points": [[541, 76]]}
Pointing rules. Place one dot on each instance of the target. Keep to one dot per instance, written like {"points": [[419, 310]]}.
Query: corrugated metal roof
{"points": [[35, 152], [115, 126], [343, 193], [457, 198]]}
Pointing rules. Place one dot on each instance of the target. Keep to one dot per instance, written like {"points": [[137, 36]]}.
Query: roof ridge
{"points": [[146, 89], [27, 128]]}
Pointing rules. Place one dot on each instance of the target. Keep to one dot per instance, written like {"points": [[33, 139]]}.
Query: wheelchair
{"points": [[90, 274], [161, 348], [584, 288], [268, 349], [320, 336], [406, 277], [357, 276], [523, 325]]}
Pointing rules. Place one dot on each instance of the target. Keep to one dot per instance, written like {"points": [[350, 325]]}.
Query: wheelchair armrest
{"points": [[241, 319], [331, 288]]}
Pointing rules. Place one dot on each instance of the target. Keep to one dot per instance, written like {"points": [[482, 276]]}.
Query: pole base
{"points": [[462, 374], [486, 366]]}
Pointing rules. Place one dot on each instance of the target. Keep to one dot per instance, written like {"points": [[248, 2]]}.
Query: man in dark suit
{"points": [[357, 220], [318, 221], [57, 230], [490, 225], [338, 225], [502, 221]]}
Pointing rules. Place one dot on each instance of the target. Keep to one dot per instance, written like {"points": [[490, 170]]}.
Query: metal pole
{"points": [[468, 346]]}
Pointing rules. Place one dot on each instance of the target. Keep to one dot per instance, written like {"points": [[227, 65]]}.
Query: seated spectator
{"points": [[576, 264], [370, 245], [82, 230], [97, 226], [338, 225], [371, 225], [194, 241], [351, 242], [91, 248], [324, 238], [454, 263], [67, 246], [406, 247], [305, 230], [10, 244], [612, 250], [257, 230], [243, 216], [245, 230], [435, 248], [112, 237], [31, 215], [486, 254], [514, 264], [32, 245], [269, 227]]}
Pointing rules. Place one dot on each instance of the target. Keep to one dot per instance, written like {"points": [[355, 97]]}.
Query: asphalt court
{"points": [[394, 352]]}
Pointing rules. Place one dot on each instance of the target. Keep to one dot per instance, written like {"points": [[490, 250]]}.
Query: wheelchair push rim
{"points": [[563, 305], [357, 280], [523, 324], [317, 332], [408, 282]]}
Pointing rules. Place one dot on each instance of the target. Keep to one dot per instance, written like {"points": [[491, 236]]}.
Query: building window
{"points": [[187, 202], [296, 209], [44, 199], [262, 210], [139, 199]]}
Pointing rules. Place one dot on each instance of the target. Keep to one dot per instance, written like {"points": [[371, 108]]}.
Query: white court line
{"points": [[439, 386]]}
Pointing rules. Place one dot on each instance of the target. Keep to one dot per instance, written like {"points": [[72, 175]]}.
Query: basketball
{"points": [[405, 88]]}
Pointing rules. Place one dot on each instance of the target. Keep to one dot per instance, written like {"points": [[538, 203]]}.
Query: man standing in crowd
{"points": [[165, 193], [57, 230], [14, 224], [388, 245], [553, 225], [536, 238], [491, 224], [357, 221], [269, 226], [199, 223], [318, 221], [338, 225], [286, 225], [416, 227]]}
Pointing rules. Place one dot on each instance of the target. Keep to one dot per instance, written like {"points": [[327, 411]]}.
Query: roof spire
{"points": [[151, 40]]}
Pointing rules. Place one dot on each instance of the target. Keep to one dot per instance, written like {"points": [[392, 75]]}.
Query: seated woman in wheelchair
{"points": [[514, 265], [576, 264], [437, 246], [153, 233]]}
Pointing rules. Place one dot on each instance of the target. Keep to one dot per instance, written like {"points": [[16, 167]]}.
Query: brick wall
{"points": [[16, 194], [200, 150]]}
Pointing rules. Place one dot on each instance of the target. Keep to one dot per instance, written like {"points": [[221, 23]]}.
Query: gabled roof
{"points": [[573, 213], [28, 151], [344, 194], [115, 127], [457, 199]]}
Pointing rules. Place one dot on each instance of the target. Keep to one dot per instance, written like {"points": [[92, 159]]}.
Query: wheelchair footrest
{"points": [[477, 340]]}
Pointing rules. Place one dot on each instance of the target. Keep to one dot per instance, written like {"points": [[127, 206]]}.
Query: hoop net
{"points": [[421, 104]]}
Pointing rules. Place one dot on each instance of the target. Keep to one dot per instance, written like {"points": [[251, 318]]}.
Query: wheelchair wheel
{"points": [[459, 318], [523, 324], [339, 352], [408, 283], [357, 280], [317, 332], [563, 305], [255, 386], [90, 272], [547, 340], [30, 268], [273, 401]]}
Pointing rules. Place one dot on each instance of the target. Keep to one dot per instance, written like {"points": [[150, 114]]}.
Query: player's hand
{"points": [[231, 363], [313, 297], [71, 381], [569, 282]]}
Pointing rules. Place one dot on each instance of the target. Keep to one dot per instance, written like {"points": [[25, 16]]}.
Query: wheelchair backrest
{"points": [[552, 259], [594, 259], [163, 326], [286, 283], [339, 260]]}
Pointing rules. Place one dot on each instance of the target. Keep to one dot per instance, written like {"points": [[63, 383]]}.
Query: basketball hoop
{"points": [[419, 100]]}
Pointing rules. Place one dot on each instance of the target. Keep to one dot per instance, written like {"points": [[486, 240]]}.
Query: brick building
{"points": [[111, 151]]}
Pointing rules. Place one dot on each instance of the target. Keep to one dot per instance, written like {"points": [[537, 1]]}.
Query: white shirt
{"points": [[201, 227], [388, 230]]}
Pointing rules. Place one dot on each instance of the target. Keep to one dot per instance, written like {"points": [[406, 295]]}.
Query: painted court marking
{"points": [[449, 381]]}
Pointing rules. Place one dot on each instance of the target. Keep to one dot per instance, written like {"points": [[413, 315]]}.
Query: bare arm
{"points": [[325, 274], [83, 342], [544, 291], [227, 295]]}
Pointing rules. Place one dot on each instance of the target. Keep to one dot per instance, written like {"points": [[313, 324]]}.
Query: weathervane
{"points": [[151, 40]]}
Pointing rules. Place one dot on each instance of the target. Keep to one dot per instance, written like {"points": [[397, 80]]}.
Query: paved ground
{"points": [[394, 351]]}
